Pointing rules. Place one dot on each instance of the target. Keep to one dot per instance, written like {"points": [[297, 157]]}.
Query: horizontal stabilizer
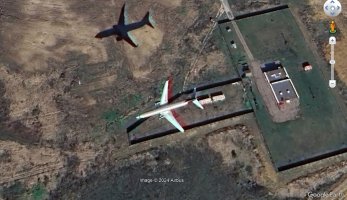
{"points": [[131, 40], [148, 19], [198, 104]]}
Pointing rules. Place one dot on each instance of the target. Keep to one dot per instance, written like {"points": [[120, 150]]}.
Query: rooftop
{"points": [[270, 66], [276, 75], [284, 90]]}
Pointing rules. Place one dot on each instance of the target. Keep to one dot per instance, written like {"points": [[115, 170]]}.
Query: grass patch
{"points": [[232, 56], [113, 119], [38, 191]]}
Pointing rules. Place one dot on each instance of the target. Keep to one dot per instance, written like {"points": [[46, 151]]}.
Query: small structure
{"points": [[205, 99], [284, 91], [276, 75], [280, 83], [217, 96], [307, 66], [233, 45], [211, 98], [246, 70], [266, 67]]}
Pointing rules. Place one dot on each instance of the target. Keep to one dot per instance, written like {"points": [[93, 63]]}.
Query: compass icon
{"points": [[332, 8]]}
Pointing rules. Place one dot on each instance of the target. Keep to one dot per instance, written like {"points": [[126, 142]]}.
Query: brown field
{"points": [[65, 98]]}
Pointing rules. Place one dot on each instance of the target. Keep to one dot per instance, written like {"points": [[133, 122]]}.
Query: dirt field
{"points": [[66, 94], [65, 97], [223, 155]]}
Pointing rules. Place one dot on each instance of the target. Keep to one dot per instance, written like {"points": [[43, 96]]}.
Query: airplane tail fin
{"points": [[196, 101], [148, 19]]}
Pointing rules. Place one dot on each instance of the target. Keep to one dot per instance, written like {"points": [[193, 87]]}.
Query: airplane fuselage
{"points": [[164, 109], [122, 30], [130, 27]]}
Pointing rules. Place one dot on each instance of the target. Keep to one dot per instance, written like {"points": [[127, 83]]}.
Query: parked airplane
{"points": [[165, 109], [123, 28]]}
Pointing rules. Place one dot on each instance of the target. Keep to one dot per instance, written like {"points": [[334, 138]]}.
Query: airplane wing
{"points": [[165, 96], [169, 116], [131, 40], [123, 18]]}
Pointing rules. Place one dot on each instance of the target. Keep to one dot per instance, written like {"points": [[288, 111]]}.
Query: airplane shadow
{"points": [[106, 33]]}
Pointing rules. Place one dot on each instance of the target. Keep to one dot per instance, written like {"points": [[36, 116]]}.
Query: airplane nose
{"points": [[98, 36]]}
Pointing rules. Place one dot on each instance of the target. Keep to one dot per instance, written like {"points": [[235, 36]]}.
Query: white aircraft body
{"points": [[165, 108]]}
